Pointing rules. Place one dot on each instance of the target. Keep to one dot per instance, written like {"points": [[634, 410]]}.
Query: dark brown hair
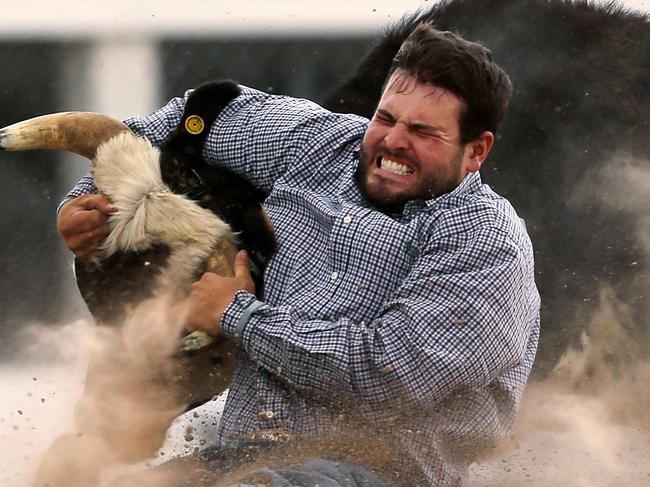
{"points": [[465, 68]]}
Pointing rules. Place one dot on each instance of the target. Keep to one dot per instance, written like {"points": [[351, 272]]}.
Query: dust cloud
{"points": [[588, 423], [39, 391], [122, 398]]}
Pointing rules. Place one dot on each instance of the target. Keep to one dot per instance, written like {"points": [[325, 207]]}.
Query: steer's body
{"points": [[176, 218]]}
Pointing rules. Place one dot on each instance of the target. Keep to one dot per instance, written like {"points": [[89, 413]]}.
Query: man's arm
{"points": [[456, 323], [257, 135]]}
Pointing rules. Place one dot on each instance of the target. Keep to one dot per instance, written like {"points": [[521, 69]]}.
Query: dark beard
{"points": [[435, 188], [383, 205]]}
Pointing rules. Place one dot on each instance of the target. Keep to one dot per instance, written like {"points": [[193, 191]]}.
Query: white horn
{"points": [[78, 132]]}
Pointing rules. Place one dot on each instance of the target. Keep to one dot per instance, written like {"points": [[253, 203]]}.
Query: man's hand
{"points": [[82, 223], [212, 294]]}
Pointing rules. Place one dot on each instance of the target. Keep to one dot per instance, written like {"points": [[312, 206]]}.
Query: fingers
{"points": [[212, 294], [241, 266], [81, 221], [204, 282], [243, 272], [99, 202], [84, 245], [203, 305], [83, 224]]}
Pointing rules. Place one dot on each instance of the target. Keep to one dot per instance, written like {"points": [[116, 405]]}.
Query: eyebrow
{"points": [[411, 126]]}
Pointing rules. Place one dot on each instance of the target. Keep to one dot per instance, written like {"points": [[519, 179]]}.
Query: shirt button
{"points": [[347, 219], [334, 276], [266, 415]]}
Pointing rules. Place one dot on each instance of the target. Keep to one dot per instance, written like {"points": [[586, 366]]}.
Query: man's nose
{"points": [[397, 138]]}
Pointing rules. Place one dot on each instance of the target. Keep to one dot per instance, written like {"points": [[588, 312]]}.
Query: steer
{"points": [[176, 218]]}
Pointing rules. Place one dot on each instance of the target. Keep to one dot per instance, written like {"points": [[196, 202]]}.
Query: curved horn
{"points": [[78, 132]]}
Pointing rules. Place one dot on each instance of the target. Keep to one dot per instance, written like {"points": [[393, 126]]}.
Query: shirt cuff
{"points": [[237, 315], [62, 204]]}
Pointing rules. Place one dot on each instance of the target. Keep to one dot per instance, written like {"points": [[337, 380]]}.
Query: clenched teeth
{"points": [[394, 167]]}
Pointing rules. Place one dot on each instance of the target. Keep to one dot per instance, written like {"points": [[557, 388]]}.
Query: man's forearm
{"points": [[397, 361]]}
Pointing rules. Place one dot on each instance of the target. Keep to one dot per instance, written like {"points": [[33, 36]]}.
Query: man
{"points": [[401, 301]]}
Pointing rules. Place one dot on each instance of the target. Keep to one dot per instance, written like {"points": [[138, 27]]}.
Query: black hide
{"points": [[217, 189]]}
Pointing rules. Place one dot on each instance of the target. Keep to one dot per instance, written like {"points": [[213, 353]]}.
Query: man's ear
{"points": [[477, 150]]}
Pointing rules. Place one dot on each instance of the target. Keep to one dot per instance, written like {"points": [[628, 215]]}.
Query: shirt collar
{"points": [[470, 184]]}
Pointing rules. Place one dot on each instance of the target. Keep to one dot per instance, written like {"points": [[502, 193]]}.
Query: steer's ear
{"points": [[203, 106], [262, 236]]}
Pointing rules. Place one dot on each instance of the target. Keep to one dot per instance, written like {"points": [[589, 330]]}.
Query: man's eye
{"points": [[427, 133], [383, 118]]}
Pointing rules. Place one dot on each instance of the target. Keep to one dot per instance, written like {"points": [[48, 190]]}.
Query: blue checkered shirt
{"points": [[423, 323]]}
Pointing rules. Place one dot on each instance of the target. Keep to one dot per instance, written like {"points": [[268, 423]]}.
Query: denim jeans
{"points": [[208, 468], [316, 473]]}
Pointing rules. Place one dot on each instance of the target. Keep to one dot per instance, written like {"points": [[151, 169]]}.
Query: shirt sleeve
{"points": [[86, 185], [262, 137], [459, 320], [257, 135]]}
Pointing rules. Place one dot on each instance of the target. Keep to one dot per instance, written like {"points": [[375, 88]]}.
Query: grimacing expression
{"points": [[412, 148]]}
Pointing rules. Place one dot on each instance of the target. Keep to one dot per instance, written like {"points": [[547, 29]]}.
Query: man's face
{"points": [[412, 147]]}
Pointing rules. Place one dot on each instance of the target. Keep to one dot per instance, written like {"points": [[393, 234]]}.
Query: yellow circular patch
{"points": [[194, 124]]}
